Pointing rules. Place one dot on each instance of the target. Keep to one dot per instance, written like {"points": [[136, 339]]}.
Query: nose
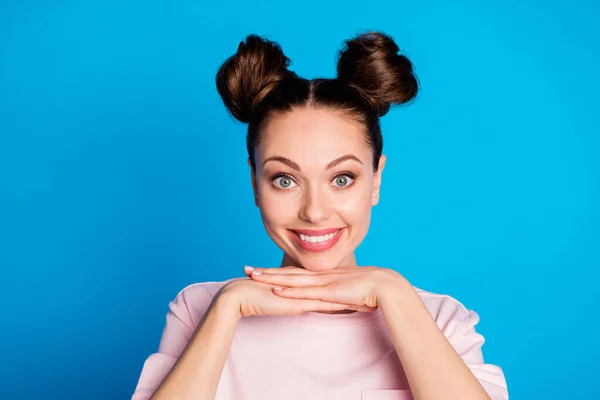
{"points": [[315, 207]]}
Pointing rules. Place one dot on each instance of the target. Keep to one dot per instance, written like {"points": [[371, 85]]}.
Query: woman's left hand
{"points": [[360, 286]]}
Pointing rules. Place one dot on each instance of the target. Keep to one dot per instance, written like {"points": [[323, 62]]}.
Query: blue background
{"points": [[123, 179]]}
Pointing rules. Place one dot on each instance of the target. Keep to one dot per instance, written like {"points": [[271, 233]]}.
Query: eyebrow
{"points": [[295, 166]]}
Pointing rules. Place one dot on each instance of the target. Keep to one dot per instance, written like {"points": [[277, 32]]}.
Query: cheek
{"points": [[355, 208], [276, 209]]}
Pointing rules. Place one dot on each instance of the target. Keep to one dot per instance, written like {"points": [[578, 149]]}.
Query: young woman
{"points": [[320, 326]]}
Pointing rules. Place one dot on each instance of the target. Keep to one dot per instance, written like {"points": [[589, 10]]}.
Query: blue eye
{"points": [[283, 182], [343, 180]]}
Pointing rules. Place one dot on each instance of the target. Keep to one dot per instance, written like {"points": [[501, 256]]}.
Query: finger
{"points": [[291, 270], [285, 270], [318, 305], [364, 308], [308, 293], [288, 269], [282, 270], [324, 293], [290, 280]]}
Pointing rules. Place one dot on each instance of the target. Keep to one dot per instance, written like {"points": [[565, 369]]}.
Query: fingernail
{"points": [[277, 288], [256, 273], [247, 268]]}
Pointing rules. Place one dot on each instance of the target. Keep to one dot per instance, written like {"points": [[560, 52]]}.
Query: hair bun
{"points": [[371, 63], [248, 76]]}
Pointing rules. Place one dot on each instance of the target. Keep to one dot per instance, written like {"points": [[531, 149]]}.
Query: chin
{"points": [[318, 264]]}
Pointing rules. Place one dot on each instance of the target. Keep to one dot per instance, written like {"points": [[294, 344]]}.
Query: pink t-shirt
{"points": [[314, 355]]}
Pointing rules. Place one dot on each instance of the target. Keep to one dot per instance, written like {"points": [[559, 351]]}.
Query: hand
{"points": [[258, 299], [357, 286]]}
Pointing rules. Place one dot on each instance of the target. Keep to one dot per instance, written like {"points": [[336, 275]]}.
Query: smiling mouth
{"points": [[317, 240]]}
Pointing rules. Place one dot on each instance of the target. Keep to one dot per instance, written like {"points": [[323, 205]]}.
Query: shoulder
{"points": [[203, 289], [449, 313], [457, 323], [195, 299]]}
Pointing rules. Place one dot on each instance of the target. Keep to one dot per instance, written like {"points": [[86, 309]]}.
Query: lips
{"points": [[317, 240]]}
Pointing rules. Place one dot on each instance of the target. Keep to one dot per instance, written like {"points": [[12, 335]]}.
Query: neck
{"points": [[288, 261]]}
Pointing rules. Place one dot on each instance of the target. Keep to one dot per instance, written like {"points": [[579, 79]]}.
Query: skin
{"points": [[313, 138], [330, 281]]}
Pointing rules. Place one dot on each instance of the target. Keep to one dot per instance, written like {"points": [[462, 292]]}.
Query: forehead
{"points": [[313, 136]]}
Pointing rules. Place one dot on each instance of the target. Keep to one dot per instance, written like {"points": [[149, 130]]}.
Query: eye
{"points": [[283, 182], [343, 180]]}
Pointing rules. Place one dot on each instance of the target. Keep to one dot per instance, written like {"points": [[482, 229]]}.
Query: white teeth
{"points": [[317, 239]]}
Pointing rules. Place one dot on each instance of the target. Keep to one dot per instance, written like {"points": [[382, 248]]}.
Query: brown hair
{"points": [[255, 83]]}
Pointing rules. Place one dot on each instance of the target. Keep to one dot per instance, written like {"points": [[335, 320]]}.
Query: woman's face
{"points": [[315, 186]]}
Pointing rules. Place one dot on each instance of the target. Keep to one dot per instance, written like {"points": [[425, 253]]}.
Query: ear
{"points": [[377, 181], [253, 179]]}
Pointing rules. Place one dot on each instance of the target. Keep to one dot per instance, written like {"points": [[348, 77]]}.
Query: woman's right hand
{"points": [[257, 299]]}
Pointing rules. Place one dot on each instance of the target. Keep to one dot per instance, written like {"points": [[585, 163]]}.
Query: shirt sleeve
{"points": [[184, 314], [458, 325]]}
